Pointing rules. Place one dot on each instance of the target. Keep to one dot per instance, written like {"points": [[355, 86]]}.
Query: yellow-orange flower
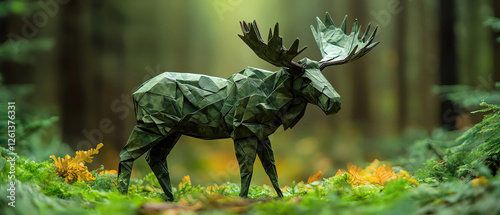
{"points": [[186, 181]]}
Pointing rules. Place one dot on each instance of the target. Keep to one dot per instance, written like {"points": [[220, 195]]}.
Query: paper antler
{"points": [[272, 51], [337, 47]]}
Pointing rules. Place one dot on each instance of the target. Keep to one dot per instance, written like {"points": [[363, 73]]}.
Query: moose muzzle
{"points": [[329, 102]]}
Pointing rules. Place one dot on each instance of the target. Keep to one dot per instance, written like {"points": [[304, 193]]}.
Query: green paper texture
{"points": [[247, 107]]}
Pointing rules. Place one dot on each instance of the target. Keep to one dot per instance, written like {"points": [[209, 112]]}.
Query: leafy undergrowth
{"points": [[39, 189], [453, 177]]}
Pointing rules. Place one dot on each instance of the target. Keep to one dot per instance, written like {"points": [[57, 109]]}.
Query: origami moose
{"points": [[247, 107]]}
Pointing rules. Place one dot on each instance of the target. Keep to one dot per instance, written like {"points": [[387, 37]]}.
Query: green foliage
{"points": [[364, 192], [479, 146], [458, 197], [21, 51], [39, 189], [494, 23], [31, 125], [13, 7], [474, 153], [469, 97], [106, 182], [32, 122]]}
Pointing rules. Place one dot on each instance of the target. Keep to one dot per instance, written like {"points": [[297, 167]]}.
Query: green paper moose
{"points": [[247, 107]]}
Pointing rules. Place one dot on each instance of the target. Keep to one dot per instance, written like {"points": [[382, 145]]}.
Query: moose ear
{"points": [[298, 69], [308, 64], [305, 64]]}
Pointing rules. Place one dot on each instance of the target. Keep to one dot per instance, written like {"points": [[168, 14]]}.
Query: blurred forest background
{"points": [[81, 61]]}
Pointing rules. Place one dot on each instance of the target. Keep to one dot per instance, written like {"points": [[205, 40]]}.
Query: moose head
{"points": [[336, 46]]}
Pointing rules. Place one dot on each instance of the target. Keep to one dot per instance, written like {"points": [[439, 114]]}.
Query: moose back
{"points": [[247, 107]]}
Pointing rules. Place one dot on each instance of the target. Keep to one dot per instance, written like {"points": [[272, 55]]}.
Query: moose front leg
{"points": [[266, 156], [246, 150]]}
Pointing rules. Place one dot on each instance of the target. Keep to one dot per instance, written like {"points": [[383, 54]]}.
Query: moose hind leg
{"points": [[140, 141], [246, 150], [157, 160], [266, 156]]}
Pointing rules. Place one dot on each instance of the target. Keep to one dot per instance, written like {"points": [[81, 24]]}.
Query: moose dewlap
{"points": [[247, 107]]}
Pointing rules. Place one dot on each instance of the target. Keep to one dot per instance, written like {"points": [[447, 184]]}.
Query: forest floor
{"points": [[453, 177]]}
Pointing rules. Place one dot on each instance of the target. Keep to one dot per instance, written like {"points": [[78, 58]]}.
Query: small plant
{"points": [[374, 174], [474, 154], [316, 177], [185, 184], [216, 189], [74, 169]]}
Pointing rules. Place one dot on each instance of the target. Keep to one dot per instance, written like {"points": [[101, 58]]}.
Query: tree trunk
{"points": [[360, 85], [72, 65], [401, 71], [496, 46], [447, 66]]}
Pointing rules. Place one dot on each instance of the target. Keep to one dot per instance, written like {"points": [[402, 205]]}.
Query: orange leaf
{"points": [[382, 174], [316, 177], [373, 166], [105, 172], [186, 182], [355, 175], [284, 189]]}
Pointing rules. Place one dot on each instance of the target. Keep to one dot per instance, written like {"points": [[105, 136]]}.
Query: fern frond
{"points": [[73, 169], [355, 174], [382, 175], [86, 156]]}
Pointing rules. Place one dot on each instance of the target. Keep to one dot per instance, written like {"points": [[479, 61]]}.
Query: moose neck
{"points": [[290, 107]]}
